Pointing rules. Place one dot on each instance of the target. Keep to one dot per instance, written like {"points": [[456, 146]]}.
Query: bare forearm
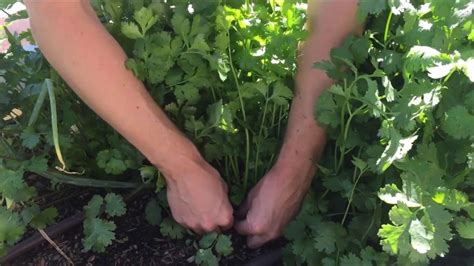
{"points": [[305, 139], [92, 63]]}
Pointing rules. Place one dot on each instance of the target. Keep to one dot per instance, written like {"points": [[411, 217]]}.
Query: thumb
{"points": [[243, 227]]}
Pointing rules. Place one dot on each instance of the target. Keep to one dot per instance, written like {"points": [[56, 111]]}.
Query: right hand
{"points": [[197, 196]]}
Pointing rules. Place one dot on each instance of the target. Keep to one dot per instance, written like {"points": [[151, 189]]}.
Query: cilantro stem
{"points": [[351, 197], [259, 139], [233, 165], [387, 26], [449, 75], [273, 115], [345, 133], [280, 117], [226, 165], [372, 221], [247, 136]]}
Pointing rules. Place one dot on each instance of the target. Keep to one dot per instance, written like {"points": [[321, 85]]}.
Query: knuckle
{"points": [[228, 219], [208, 227], [192, 226], [273, 235], [258, 228]]}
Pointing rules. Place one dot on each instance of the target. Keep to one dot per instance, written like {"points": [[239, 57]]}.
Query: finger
{"points": [[197, 230], [244, 228], [256, 241], [227, 223]]}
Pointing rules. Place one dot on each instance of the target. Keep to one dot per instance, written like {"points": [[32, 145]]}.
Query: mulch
{"points": [[137, 242]]}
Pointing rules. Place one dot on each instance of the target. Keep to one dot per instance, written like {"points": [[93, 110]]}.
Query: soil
{"points": [[137, 242]]}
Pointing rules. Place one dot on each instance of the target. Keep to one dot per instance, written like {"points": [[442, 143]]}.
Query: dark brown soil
{"points": [[137, 242]]}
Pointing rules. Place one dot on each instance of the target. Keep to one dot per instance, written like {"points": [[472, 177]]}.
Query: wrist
{"points": [[178, 154], [296, 159]]}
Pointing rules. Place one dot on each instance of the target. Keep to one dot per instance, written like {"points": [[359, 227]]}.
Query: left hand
{"points": [[273, 202]]}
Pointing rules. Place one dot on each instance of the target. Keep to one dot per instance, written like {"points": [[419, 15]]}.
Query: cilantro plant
{"points": [[210, 245], [221, 70], [99, 232], [396, 182]]}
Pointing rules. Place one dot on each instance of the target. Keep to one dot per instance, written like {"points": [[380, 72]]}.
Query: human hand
{"points": [[198, 197], [273, 202]]}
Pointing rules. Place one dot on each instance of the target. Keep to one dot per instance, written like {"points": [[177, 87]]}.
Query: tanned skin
{"points": [[76, 44]]}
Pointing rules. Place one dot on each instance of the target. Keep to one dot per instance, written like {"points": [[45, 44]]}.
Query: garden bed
{"points": [[137, 242]]}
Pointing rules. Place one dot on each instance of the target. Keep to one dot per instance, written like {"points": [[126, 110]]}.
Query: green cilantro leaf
{"points": [[391, 236], [171, 229], [458, 122], [29, 212], [451, 198], [130, 30], [351, 260], [44, 218], [99, 234], [327, 236], [205, 257], [370, 7], [399, 6], [400, 214], [224, 245], [420, 236], [148, 173], [92, 209], [13, 187], [111, 161], [145, 19], [465, 229], [181, 25], [37, 164], [153, 212], [326, 110], [29, 138], [392, 195], [11, 229], [397, 149], [468, 67], [114, 205], [208, 240], [281, 94], [200, 44]]}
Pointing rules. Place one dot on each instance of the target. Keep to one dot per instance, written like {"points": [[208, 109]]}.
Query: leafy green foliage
{"points": [[465, 229], [399, 119], [44, 218], [114, 205], [205, 257], [398, 168], [223, 245], [13, 187], [212, 247], [153, 212], [171, 229], [111, 161], [98, 232], [11, 229]]}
